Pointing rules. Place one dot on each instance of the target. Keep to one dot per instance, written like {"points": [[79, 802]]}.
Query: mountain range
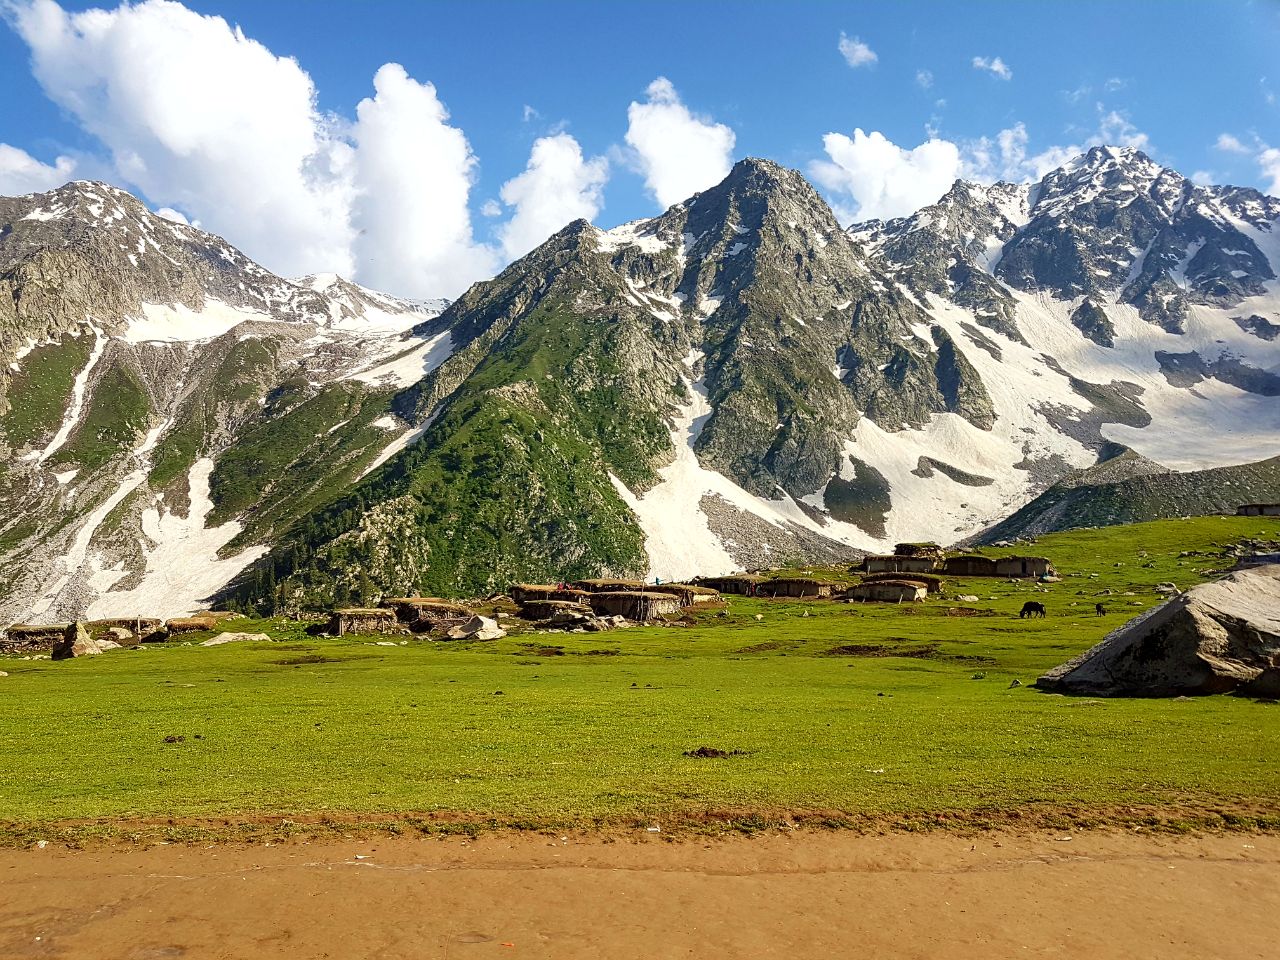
{"points": [[738, 382]]}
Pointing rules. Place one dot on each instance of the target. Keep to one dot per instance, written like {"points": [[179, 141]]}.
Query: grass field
{"points": [[915, 718]]}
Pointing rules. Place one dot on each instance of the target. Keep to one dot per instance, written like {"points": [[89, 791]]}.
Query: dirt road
{"points": [[803, 895]]}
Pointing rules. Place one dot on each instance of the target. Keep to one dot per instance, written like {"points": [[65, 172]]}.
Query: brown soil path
{"points": [[802, 895]]}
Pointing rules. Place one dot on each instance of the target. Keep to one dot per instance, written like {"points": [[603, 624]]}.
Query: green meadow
{"points": [[844, 713]]}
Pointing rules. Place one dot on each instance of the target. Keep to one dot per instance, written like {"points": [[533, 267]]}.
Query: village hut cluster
{"points": [[908, 575], [604, 604]]}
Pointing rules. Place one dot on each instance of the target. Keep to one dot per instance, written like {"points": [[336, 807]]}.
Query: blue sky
{"points": [[1172, 77]]}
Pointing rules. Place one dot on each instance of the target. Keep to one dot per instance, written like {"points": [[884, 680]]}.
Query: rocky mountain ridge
{"points": [[736, 382]]}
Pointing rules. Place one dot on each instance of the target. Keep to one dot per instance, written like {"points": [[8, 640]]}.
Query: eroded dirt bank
{"points": [[807, 894]]}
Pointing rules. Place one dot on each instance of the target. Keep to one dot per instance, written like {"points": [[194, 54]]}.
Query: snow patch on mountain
{"points": [[183, 566], [408, 367]]}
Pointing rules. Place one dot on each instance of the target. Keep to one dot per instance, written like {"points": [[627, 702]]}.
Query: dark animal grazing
{"points": [[1100, 609], [1032, 609]]}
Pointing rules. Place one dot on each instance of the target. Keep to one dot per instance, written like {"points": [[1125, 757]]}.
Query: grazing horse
{"points": [[1031, 609], [1100, 610]]}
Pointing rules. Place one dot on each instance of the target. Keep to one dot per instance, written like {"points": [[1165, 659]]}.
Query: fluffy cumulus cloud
{"points": [[413, 173], [873, 178], [994, 66], [211, 125], [558, 186], [1269, 161], [855, 52], [248, 153], [22, 173], [678, 152], [1229, 144]]}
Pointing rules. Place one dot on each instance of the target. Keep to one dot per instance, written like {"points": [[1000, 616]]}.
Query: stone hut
{"points": [[638, 605], [546, 609], [364, 620], [189, 624], [740, 584], [1023, 567], [609, 585], [31, 637], [888, 591], [969, 566], [799, 587], [522, 592], [139, 629], [688, 593], [927, 550], [932, 584], [1258, 510], [896, 563], [425, 614]]}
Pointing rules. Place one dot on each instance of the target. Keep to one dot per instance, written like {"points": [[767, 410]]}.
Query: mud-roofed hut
{"points": [[1258, 510], [179, 625], [1023, 567], [887, 591], [688, 593], [893, 563], [739, 584], [929, 550], [546, 609], [523, 592], [970, 566], [609, 585], [363, 620], [637, 605], [798, 587], [31, 637], [931, 583], [425, 614]]}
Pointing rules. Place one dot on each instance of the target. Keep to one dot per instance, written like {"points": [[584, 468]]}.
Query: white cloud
{"points": [[200, 118], [924, 79], [246, 151], [1269, 163], [22, 173], [1114, 129], [177, 216], [529, 113], [413, 174], [994, 66], [874, 178], [1204, 178], [678, 152], [1229, 144], [491, 208], [855, 52], [558, 186]]}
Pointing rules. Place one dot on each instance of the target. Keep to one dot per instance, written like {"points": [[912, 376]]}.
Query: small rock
{"points": [[234, 638]]}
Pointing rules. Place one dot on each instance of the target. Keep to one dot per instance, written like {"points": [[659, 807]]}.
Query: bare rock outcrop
{"points": [[76, 642], [1220, 637]]}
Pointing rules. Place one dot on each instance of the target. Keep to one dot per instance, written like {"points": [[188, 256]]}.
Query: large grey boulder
{"points": [[1219, 637], [76, 642], [477, 628]]}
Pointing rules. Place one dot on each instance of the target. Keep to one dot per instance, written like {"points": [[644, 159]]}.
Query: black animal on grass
{"points": [[1032, 609], [1100, 610]]}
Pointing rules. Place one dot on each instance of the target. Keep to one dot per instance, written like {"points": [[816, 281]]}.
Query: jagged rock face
{"points": [[736, 382], [92, 250], [158, 386]]}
